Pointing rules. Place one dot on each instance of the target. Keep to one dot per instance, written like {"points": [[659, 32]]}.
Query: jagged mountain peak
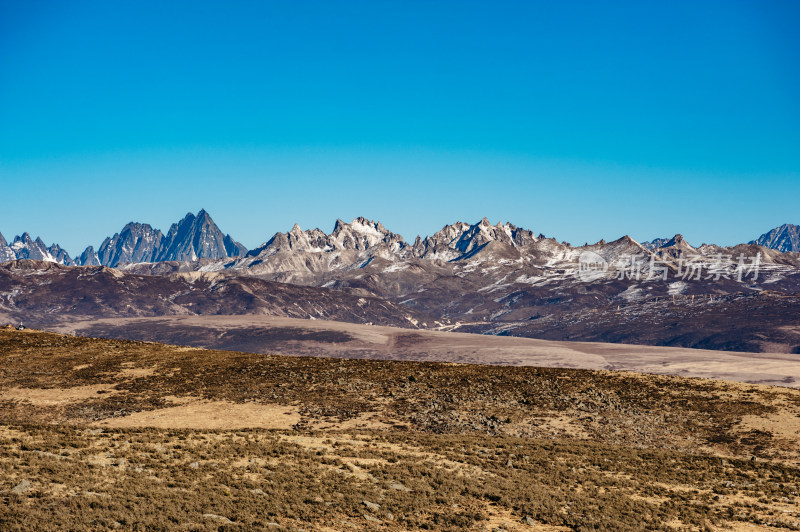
{"points": [[25, 247], [678, 242], [462, 239], [361, 235], [24, 238], [191, 238], [628, 242], [137, 226], [361, 225], [194, 237], [673, 247], [621, 247], [136, 242], [783, 238], [89, 257], [657, 243]]}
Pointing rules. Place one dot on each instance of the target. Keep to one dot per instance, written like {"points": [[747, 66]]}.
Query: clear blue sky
{"points": [[581, 120]]}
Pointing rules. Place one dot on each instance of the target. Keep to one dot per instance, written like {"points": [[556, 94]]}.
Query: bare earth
{"points": [[290, 336]]}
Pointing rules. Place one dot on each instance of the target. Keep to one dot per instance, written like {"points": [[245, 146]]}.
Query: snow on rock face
{"points": [[192, 238], [6, 253], [678, 287], [360, 235], [234, 248], [24, 247], [784, 238], [135, 243], [88, 258], [460, 249], [458, 239], [655, 243]]}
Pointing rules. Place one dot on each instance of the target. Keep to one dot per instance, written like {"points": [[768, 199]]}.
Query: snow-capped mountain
{"points": [[674, 248], [233, 248], [504, 275], [60, 255], [655, 243], [196, 237], [299, 253], [360, 235], [6, 253], [784, 238], [24, 247], [89, 257], [497, 279], [461, 239], [190, 239], [366, 249], [357, 243], [136, 242]]}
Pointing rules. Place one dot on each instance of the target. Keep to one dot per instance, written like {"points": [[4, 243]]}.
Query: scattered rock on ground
{"points": [[22, 487]]}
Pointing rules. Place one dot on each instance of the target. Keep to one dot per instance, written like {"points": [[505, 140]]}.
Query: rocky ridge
{"points": [[783, 238]]}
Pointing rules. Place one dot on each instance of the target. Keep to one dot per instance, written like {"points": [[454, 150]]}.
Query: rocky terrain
{"points": [[784, 238], [484, 278], [25, 247], [108, 434], [50, 295], [756, 322], [192, 238], [42, 293]]}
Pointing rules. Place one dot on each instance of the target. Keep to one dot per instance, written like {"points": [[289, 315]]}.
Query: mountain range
{"points": [[197, 237], [495, 279], [24, 247], [192, 238]]}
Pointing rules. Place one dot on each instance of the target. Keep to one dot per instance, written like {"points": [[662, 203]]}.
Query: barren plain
{"points": [[112, 434], [292, 336]]}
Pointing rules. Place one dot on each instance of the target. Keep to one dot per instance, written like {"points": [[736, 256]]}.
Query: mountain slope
{"points": [[37, 292], [233, 248], [190, 239], [88, 258], [196, 237], [500, 279], [461, 239], [24, 247], [135, 243], [6, 253], [784, 238]]}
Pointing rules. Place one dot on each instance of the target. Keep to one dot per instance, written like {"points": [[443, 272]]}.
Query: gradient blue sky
{"points": [[581, 120]]}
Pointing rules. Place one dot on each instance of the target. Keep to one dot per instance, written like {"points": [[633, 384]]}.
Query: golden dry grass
{"points": [[99, 434]]}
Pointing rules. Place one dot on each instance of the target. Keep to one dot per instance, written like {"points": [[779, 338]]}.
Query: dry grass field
{"points": [[293, 336], [111, 434]]}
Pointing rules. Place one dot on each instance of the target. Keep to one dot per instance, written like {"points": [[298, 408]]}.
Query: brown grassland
{"points": [[104, 434]]}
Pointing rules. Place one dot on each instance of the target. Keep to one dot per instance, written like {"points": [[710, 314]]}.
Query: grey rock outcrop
{"points": [[784, 238]]}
